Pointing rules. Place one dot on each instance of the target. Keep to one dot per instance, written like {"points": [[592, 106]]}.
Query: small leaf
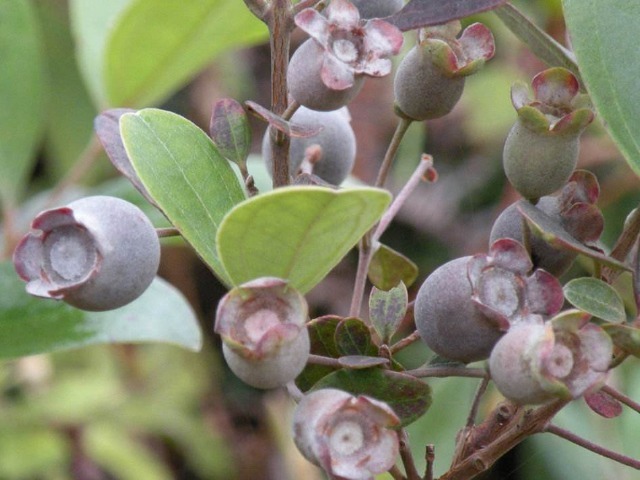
{"points": [[30, 325], [296, 233], [424, 13], [21, 96], [539, 42], [359, 362], [625, 337], [387, 309], [603, 37], [409, 397], [156, 46], [551, 231], [388, 268], [353, 338], [107, 127], [322, 338], [603, 404], [596, 298], [230, 132], [185, 175]]}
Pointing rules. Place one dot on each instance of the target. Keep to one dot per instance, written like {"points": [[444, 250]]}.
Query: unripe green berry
{"points": [[538, 164], [422, 89]]}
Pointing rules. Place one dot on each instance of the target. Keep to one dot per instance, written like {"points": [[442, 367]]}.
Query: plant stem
{"points": [[167, 232], [326, 361], [593, 447], [396, 473], [625, 243], [405, 342], [430, 457], [364, 258], [401, 129], [473, 411], [280, 23], [622, 398], [407, 459], [442, 372]]}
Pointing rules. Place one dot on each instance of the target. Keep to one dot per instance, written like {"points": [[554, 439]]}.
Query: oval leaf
{"points": [[603, 404], [156, 46], [604, 38], [353, 338], [30, 325], [21, 95], [359, 362], [625, 337], [423, 13], [387, 309], [230, 132], [406, 395], [596, 298], [186, 176], [388, 268], [296, 233]]}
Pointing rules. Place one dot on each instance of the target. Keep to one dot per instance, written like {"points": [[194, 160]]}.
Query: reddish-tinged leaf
{"points": [[107, 127], [603, 404], [387, 309], [352, 337], [424, 13], [277, 122], [229, 130], [409, 397]]}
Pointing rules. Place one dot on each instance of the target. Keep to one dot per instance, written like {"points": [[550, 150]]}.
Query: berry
{"points": [[336, 142], [262, 325], [431, 77], [97, 253], [541, 150], [349, 437]]}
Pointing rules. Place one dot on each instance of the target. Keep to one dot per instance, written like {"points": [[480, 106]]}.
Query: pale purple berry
{"points": [[96, 253], [565, 357], [348, 436], [262, 325]]}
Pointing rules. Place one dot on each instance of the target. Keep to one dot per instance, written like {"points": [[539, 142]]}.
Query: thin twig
{"points": [[621, 397], [430, 457], [407, 457], [396, 473], [443, 372], [294, 392], [392, 149], [405, 342], [167, 232], [593, 447], [364, 259], [473, 411]]}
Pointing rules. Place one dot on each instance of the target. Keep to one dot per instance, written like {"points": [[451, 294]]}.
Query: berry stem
{"points": [[392, 149], [407, 457], [396, 474], [473, 411], [405, 342], [167, 232], [430, 457], [442, 372], [622, 398], [593, 447]]}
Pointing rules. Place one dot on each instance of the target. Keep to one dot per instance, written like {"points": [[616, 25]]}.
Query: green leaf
{"points": [[353, 338], [538, 41], [359, 362], [30, 325], [68, 127], [406, 395], [323, 342], [596, 298], [387, 309], [92, 21], [21, 95], [388, 268], [156, 46], [182, 170], [604, 38], [624, 336], [296, 233]]}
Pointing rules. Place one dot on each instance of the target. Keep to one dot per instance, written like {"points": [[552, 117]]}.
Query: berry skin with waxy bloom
{"points": [[347, 436], [573, 209], [336, 141], [262, 325], [541, 149], [326, 72], [430, 79], [97, 253], [465, 306], [565, 357]]}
